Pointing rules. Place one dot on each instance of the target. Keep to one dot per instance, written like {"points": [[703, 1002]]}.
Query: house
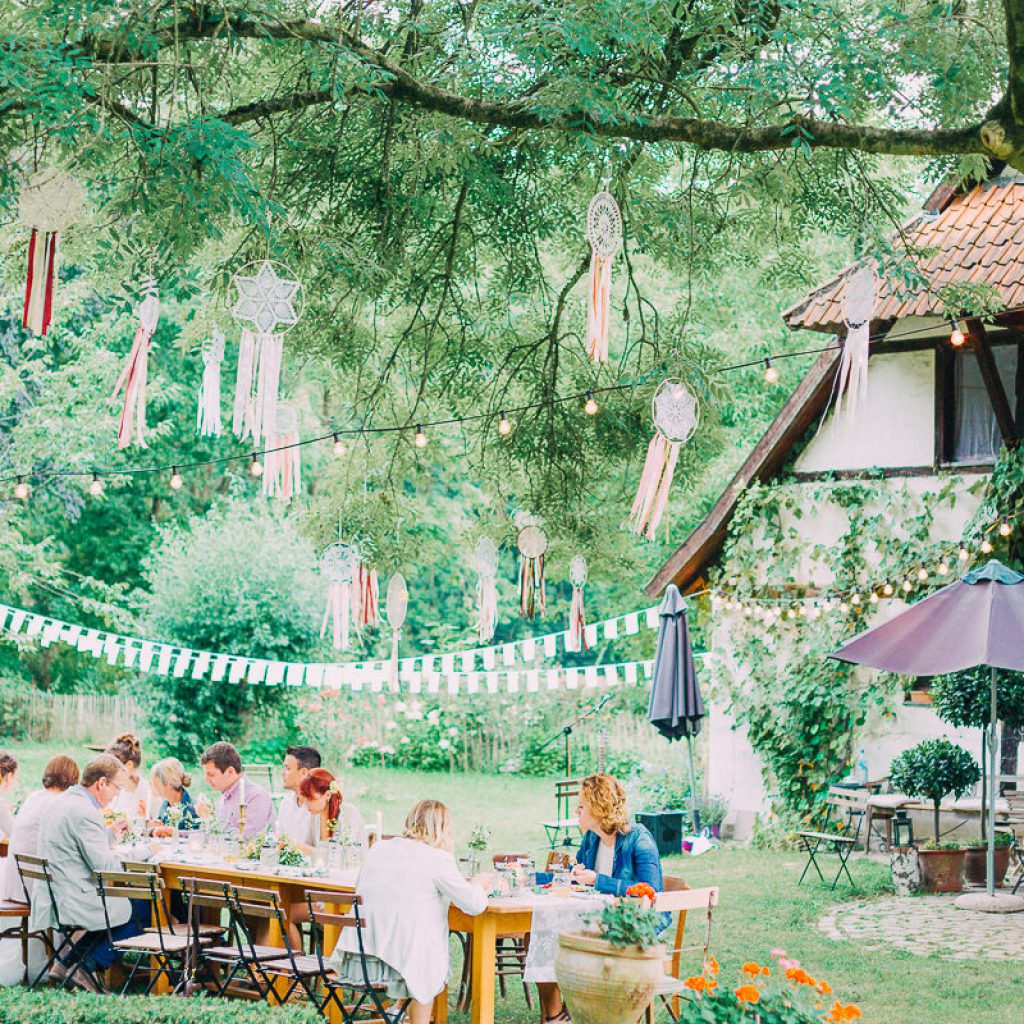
{"points": [[943, 397]]}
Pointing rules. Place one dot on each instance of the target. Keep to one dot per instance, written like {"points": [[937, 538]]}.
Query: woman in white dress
{"points": [[8, 778], [133, 800], [405, 926]]}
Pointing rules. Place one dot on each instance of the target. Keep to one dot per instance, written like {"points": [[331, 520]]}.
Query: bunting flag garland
{"points": [[266, 302], [486, 588], [858, 307], [133, 377], [338, 565], [49, 203], [208, 412], [604, 232], [532, 543], [397, 605], [282, 463], [576, 639], [676, 413]]}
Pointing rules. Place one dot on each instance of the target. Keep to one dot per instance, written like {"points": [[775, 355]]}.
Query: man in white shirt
{"points": [[293, 820]]}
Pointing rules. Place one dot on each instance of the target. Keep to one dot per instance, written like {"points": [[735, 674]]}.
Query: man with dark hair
{"points": [[293, 820], [222, 768]]}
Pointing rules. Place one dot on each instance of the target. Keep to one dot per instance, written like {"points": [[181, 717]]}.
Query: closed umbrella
{"points": [[978, 620], [675, 708]]}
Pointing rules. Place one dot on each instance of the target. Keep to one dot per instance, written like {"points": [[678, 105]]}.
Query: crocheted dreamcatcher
{"points": [[858, 307], [604, 232], [575, 640], [676, 413], [282, 472], [133, 377], [49, 203], [338, 565], [208, 410], [532, 542], [268, 306], [486, 588]]}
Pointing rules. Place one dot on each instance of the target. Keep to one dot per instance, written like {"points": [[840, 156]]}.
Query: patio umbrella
{"points": [[978, 620], [675, 708]]}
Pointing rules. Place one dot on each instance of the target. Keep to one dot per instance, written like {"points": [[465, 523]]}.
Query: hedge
{"points": [[51, 1006]]}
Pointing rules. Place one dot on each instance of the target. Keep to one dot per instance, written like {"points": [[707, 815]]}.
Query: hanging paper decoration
{"points": [[282, 463], [266, 302], [208, 413], [49, 203], [676, 413], [338, 564], [133, 377], [397, 605], [604, 232], [486, 589], [532, 543], [364, 596], [575, 639], [858, 307]]}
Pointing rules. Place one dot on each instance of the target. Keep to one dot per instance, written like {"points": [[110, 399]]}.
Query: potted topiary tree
{"points": [[932, 770]]}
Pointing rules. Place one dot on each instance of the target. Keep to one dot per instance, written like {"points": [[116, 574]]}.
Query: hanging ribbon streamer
{"points": [[575, 639], [486, 588], [532, 543], [50, 202], [676, 413], [364, 593], [266, 301], [604, 232], [208, 411], [858, 308], [282, 463], [338, 566], [397, 606], [133, 377]]}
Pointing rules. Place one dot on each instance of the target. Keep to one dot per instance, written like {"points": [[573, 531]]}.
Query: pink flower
{"points": [[788, 965], [777, 953]]}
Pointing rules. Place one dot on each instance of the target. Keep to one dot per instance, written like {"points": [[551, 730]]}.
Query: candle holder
{"points": [[241, 820]]}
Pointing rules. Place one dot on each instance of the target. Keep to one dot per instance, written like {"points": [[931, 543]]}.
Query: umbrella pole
{"points": [[990, 858], [693, 786]]}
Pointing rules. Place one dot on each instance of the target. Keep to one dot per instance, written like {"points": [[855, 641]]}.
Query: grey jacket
{"points": [[76, 842]]}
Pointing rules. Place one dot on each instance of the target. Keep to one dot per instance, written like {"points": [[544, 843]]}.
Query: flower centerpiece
{"points": [[479, 841]]}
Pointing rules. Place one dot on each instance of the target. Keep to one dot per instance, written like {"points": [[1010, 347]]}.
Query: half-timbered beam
{"points": [[993, 382]]}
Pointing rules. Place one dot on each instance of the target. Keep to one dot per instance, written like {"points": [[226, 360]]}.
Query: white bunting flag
{"points": [[512, 682], [652, 618], [611, 675], [333, 678], [447, 662], [551, 644], [630, 672], [315, 675], [590, 635], [433, 682], [220, 666], [35, 625], [472, 681], [236, 673], [131, 653], [508, 654], [294, 675], [275, 673], [111, 649], [416, 682], [468, 661], [51, 633], [163, 665], [611, 629], [571, 676], [17, 621], [553, 674], [146, 656], [529, 650], [71, 634], [201, 665], [590, 676], [532, 681], [257, 672], [453, 683], [631, 624], [181, 663], [428, 663], [488, 658]]}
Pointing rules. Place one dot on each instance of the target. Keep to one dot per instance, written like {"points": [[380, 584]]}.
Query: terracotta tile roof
{"points": [[978, 237]]}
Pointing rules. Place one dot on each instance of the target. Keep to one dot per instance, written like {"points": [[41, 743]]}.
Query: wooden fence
{"points": [[67, 717]]}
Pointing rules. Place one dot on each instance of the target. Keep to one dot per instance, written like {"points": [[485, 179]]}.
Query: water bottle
{"points": [[862, 767]]}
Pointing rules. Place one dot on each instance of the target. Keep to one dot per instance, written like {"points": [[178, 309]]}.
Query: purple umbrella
{"points": [[978, 620]]}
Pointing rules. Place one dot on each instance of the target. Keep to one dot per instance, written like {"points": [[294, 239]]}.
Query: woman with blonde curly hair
{"points": [[613, 855]]}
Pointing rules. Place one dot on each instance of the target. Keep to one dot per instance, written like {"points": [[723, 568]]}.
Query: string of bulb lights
{"points": [[336, 437]]}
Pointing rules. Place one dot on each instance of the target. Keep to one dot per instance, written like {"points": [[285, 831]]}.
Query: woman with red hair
{"points": [[320, 794]]}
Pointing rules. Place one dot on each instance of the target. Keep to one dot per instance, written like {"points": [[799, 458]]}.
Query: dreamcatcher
{"points": [[858, 307], [676, 413], [282, 471], [604, 232], [266, 303], [338, 564], [486, 589], [532, 542], [133, 377], [50, 202], [575, 640], [397, 605], [208, 412]]}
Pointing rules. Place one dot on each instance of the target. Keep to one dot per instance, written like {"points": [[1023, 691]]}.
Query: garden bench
{"points": [[842, 840]]}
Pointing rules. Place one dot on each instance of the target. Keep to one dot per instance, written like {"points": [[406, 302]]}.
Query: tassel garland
{"points": [[532, 599], [364, 597], [282, 466], [487, 602], [39, 282], [337, 615], [858, 308], [256, 384], [575, 639], [655, 481], [133, 377], [599, 306], [208, 411]]}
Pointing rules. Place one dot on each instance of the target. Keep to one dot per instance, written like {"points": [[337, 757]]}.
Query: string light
{"points": [[420, 440], [956, 336], [255, 466], [887, 590], [855, 599], [339, 447], [922, 574], [873, 598], [844, 607], [176, 480], [943, 568], [96, 485], [504, 427], [963, 554], [1005, 529], [21, 489], [771, 374], [986, 547], [907, 586], [590, 407]]}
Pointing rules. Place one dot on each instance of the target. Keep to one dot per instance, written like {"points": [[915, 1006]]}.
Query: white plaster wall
{"points": [[897, 427]]}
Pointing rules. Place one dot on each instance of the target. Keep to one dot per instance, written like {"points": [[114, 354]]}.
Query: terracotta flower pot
{"points": [[606, 984], [942, 870], [974, 864]]}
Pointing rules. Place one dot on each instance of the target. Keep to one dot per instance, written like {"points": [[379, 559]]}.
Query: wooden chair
{"points": [[560, 831], [1015, 822], [558, 859], [679, 899]]}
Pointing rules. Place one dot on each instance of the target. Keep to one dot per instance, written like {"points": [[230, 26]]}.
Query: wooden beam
{"points": [[993, 382]]}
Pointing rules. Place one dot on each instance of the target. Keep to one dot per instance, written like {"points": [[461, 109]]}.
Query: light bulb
{"points": [[873, 598], [887, 590], [771, 374], [986, 547], [21, 489], [420, 440], [1005, 529], [590, 408], [844, 607], [943, 568], [922, 574], [504, 427], [907, 586], [96, 485], [176, 480], [339, 446], [791, 613], [255, 466], [963, 554], [855, 599], [956, 336]]}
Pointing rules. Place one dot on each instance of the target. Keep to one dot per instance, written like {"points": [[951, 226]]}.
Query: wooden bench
{"points": [[561, 830], [840, 840]]}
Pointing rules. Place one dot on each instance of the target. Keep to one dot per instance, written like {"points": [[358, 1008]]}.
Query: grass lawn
{"points": [[761, 906]]}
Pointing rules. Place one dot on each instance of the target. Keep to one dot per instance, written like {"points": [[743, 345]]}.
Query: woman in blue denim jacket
{"points": [[613, 855]]}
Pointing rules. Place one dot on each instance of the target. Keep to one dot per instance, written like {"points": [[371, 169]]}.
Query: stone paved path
{"points": [[927, 926]]}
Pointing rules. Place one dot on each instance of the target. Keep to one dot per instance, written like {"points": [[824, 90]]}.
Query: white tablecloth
{"points": [[551, 916]]}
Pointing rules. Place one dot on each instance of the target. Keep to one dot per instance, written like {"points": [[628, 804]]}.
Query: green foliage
{"points": [[628, 922], [965, 699], [933, 769]]}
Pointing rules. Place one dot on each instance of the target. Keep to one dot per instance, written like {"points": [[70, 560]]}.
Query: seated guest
{"points": [[613, 855], [222, 768], [133, 800], [170, 784], [75, 840], [323, 802], [293, 821], [8, 778], [405, 927]]}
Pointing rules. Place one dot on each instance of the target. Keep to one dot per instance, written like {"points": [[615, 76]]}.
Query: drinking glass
{"points": [[561, 882], [232, 849], [319, 856]]}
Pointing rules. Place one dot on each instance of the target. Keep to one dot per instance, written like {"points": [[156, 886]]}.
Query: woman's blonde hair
{"points": [[170, 772], [606, 799], [430, 822]]}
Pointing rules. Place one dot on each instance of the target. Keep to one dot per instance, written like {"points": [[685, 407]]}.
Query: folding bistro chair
{"points": [[64, 952], [840, 841], [1015, 822], [369, 998], [560, 832], [21, 911]]}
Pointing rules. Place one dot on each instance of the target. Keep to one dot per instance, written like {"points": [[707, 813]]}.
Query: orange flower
{"points": [[748, 994], [824, 988], [765, 971], [697, 984], [853, 1012], [751, 968], [712, 984], [641, 889], [799, 976], [712, 965], [840, 1014]]}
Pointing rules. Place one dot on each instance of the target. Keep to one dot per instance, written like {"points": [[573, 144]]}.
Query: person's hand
{"points": [[485, 880], [203, 807], [140, 809], [583, 875]]}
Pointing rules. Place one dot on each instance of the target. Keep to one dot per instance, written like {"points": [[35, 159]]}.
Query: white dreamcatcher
{"points": [[532, 543], [338, 565], [604, 232], [282, 474], [486, 558], [208, 408], [575, 639], [858, 309]]}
